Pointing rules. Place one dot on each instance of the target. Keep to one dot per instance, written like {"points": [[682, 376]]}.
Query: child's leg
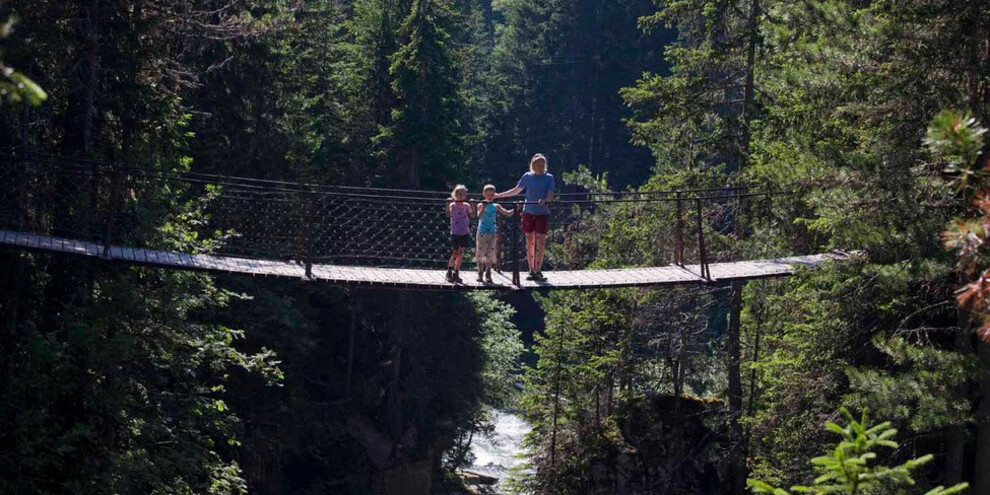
{"points": [[479, 253], [484, 252], [458, 254]]}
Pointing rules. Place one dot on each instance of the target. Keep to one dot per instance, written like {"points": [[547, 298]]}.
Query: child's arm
{"points": [[450, 204], [480, 209], [504, 211]]}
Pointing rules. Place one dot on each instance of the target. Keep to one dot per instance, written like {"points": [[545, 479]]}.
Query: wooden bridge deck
{"points": [[419, 278]]}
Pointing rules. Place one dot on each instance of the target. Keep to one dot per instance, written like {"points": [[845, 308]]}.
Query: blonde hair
{"points": [[539, 156], [457, 189], [488, 187]]}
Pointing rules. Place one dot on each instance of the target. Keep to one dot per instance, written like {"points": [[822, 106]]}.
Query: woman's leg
{"points": [[531, 251], [539, 250]]}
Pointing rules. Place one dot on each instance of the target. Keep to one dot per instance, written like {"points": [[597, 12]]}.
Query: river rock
{"points": [[472, 477]]}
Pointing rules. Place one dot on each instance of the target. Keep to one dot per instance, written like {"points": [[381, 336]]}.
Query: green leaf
{"points": [[34, 94], [835, 428]]}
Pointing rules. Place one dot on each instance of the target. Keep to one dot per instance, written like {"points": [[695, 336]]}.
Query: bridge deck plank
{"points": [[423, 278]]}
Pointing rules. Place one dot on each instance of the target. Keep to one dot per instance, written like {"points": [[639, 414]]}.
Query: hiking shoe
{"points": [[457, 278], [481, 277], [538, 276], [450, 276], [488, 277], [531, 276]]}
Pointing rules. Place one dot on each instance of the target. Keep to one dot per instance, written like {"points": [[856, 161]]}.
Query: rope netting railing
{"points": [[337, 225]]}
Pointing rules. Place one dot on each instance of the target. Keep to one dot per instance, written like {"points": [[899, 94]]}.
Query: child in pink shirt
{"points": [[460, 213]]}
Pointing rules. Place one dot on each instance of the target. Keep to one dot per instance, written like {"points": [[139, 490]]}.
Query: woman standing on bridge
{"points": [[538, 186]]}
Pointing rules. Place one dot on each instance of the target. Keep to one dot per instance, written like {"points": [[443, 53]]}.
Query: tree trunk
{"points": [[350, 346], [738, 455], [79, 123], [981, 478], [757, 326], [395, 404], [680, 449], [955, 438], [978, 59], [92, 63], [489, 26], [556, 399], [738, 460], [749, 84], [955, 449]]}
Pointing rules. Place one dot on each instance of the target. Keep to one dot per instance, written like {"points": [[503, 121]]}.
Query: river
{"points": [[500, 453]]}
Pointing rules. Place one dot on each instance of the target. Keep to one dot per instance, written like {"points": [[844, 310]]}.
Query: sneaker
{"points": [[450, 276], [481, 277], [457, 278], [531, 276], [488, 277], [538, 276]]}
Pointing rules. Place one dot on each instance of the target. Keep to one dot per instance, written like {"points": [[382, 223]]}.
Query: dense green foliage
{"points": [[833, 106], [134, 380], [16, 87], [851, 467], [119, 379]]}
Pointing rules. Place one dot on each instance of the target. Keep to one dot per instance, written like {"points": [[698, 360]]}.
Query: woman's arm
{"points": [[549, 198], [511, 192], [505, 211]]}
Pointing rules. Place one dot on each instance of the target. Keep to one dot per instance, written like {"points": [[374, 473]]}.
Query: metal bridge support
{"points": [[310, 216], [115, 197], [515, 248], [702, 248]]}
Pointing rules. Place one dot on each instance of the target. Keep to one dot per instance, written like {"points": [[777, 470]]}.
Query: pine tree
{"points": [[426, 132]]}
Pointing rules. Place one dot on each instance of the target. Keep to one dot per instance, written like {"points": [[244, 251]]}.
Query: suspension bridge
{"points": [[364, 236]]}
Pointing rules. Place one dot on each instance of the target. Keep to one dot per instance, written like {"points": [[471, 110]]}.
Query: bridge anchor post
{"points": [[118, 177]]}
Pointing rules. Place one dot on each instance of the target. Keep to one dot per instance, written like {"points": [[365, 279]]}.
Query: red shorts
{"points": [[538, 224]]}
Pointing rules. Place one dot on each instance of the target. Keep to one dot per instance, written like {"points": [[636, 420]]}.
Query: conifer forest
{"points": [[677, 133]]}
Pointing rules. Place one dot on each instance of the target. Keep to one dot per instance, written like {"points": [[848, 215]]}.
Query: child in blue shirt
{"points": [[485, 242]]}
